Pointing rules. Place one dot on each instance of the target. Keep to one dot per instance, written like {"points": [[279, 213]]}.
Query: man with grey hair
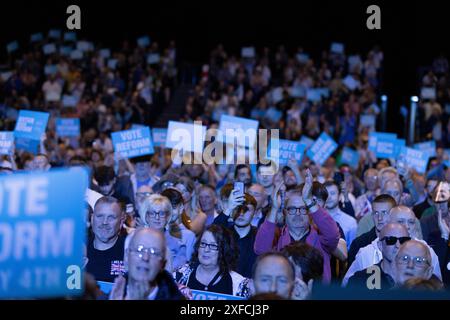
{"points": [[146, 279], [371, 254], [413, 260], [392, 236]]}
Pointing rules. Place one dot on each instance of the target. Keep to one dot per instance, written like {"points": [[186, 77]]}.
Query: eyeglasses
{"points": [[141, 250], [143, 194], [390, 241], [299, 211], [211, 246], [160, 214], [417, 261]]}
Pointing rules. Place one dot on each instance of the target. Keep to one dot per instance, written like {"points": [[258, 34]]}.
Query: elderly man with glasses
{"points": [[146, 279], [413, 260], [371, 254], [305, 221], [392, 236]]}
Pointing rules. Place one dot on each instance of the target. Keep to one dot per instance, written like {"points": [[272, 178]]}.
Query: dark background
{"points": [[412, 32]]}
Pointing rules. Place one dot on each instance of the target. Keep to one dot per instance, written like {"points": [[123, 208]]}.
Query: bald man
{"points": [[392, 236], [413, 260], [371, 254], [274, 273], [145, 258]]}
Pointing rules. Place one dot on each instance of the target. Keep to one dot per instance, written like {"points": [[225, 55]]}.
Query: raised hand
{"points": [[307, 188], [118, 289], [302, 291]]}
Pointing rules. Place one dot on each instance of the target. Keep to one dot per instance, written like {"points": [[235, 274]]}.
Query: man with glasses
{"points": [[146, 278], [413, 260], [300, 208], [391, 237], [371, 254]]}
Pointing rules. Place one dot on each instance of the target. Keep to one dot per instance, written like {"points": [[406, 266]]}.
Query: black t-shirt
{"points": [[224, 285], [247, 255], [108, 264], [360, 279]]}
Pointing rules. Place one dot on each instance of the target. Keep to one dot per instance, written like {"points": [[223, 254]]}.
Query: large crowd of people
{"points": [[162, 231]]}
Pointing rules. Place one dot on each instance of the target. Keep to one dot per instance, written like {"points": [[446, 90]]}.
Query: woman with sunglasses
{"points": [[211, 267]]}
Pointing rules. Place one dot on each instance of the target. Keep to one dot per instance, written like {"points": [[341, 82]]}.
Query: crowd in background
{"points": [[158, 230]]}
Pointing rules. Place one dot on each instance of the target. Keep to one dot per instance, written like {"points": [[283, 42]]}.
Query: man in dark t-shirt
{"points": [[105, 249]]}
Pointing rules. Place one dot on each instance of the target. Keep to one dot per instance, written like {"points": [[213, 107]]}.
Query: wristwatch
{"points": [[313, 203]]}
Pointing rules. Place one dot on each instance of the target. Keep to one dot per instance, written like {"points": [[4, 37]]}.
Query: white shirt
{"points": [[371, 254], [348, 225]]}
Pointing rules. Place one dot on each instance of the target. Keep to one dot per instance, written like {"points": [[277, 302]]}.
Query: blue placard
{"points": [[322, 149], [49, 48], [367, 120], [337, 47], [415, 159], [287, 150], [302, 57], [12, 46], [447, 157], [248, 52], [207, 295], [350, 157], [398, 145], [69, 101], [273, 114], [105, 53], [231, 127], [316, 94], [143, 41], [76, 55], [6, 142], [429, 147], [54, 34], [159, 136], [185, 136], [133, 143], [153, 58], [382, 144], [70, 36], [29, 145], [50, 69], [85, 46], [31, 124], [65, 50], [68, 127], [308, 142], [112, 63], [36, 37], [43, 233], [298, 92]]}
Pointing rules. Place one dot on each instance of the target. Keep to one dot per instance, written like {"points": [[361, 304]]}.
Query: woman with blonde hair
{"points": [[156, 212]]}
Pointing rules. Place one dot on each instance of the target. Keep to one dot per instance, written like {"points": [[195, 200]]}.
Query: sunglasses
{"points": [[390, 241]]}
